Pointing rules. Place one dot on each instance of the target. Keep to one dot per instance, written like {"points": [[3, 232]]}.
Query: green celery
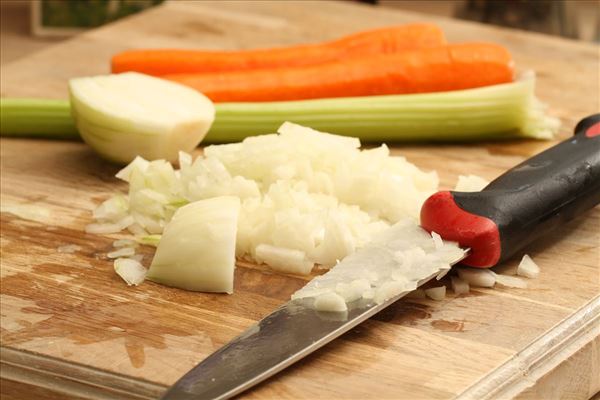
{"points": [[42, 118], [494, 112]]}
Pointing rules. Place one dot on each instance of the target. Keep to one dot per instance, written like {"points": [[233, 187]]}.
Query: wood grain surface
{"points": [[72, 329]]}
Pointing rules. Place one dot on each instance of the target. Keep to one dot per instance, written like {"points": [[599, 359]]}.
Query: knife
{"points": [[531, 199]]}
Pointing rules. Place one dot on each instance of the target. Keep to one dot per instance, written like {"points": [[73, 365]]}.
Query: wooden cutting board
{"points": [[71, 328]]}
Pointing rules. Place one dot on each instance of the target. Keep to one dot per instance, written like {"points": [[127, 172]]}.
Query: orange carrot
{"points": [[452, 67], [363, 44]]}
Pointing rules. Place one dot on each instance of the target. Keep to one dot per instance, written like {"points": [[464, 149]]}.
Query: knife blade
{"points": [[280, 339], [533, 198]]}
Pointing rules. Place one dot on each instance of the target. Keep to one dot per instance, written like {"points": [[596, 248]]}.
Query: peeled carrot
{"points": [[363, 44], [452, 67]]}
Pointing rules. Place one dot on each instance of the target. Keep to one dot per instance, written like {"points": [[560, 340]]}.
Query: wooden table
{"points": [[72, 329]]}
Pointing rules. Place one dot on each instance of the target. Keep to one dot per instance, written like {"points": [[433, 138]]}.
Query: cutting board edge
{"points": [[549, 351], [72, 379]]}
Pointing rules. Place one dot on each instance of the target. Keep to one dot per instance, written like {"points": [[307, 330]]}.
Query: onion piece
{"points": [[330, 302], [104, 228], [437, 293], [459, 286], [528, 268], [122, 252], [124, 243], [477, 277], [197, 248], [283, 260], [394, 262], [125, 115], [151, 240], [437, 240], [510, 281], [130, 270]]}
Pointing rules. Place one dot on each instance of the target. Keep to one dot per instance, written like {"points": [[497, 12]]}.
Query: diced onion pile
{"points": [[306, 197]]}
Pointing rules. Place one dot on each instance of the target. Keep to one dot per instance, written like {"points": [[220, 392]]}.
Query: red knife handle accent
{"points": [[531, 199]]}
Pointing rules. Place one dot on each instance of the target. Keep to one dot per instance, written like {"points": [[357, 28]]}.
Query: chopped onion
{"points": [[114, 208], [388, 290], [354, 290], [470, 183], [510, 281], [125, 243], [301, 190], [477, 277], [122, 252], [437, 240], [125, 115], [130, 270], [437, 293], [330, 302], [283, 260], [104, 228], [137, 257], [197, 248], [459, 286], [151, 240], [528, 268]]}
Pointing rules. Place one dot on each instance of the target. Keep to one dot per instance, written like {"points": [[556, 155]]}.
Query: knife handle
{"points": [[529, 200]]}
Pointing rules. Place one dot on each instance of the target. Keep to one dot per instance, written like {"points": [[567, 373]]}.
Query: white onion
{"points": [[283, 260], [528, 268], [125, 243], [122, 252], [510, 281], [437, 240], [394, 262], [459, 286], [197, 248], [103, 228], [437, 293], [137, 257], [477, 277], [330, 302], [301, 190], [125, 115], [130, 270]]}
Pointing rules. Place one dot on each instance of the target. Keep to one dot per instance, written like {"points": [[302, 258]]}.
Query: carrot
{"points": [[452, 67], [363, 44]]}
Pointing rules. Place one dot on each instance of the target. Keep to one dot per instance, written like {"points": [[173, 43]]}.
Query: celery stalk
{"points": [[41, 118], [503, 111], [493, 112]]}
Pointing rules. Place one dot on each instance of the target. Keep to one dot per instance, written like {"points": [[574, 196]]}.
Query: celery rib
{"points": [[42, 118], [495, 112]]}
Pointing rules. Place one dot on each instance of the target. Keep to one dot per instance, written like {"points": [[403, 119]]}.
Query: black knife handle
{"points": [[527, 201]]}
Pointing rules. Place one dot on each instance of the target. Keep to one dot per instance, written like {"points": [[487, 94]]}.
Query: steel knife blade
{"points": [[280, 339]]}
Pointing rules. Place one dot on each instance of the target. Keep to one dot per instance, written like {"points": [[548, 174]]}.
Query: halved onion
{"points": [[125, 115]]}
